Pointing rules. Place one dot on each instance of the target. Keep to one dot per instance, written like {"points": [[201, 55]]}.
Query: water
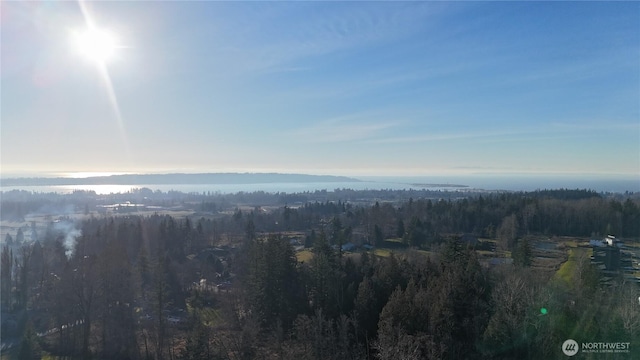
{"points": [[510, 183], [220, 188], [599, 183]]}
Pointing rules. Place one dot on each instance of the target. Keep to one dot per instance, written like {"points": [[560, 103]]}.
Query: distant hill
{"points": [[164, 179]]}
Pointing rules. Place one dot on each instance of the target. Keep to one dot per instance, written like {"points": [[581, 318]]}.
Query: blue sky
{"points": [[346, 88]]}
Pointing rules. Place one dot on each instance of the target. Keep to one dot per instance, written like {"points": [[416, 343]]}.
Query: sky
{"points": [[341, 88]]}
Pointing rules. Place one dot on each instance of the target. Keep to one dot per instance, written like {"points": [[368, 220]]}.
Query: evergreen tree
{"points": [[274, 291], [197, 346], [379, 237], [325, 287], [6, 278], [400, 229], [29, 347], [522, 255], [19, 237]]}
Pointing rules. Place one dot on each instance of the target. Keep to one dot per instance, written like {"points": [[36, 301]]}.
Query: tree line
{"points": [[117, 292]]}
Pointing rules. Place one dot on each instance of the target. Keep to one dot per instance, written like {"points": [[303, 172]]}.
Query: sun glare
{"points": [[97, 45]]}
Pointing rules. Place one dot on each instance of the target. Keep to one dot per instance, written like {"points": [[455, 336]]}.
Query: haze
{"points": [[345, 88]]}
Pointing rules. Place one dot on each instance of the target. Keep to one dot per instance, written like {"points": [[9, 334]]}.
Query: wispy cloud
{"points": [[342, 129], [563, 74], [254, 44], [596, 125], [498, 134], [553, 131], [395, 76]]}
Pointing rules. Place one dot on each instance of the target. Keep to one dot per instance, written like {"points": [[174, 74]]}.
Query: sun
{"points": [[97, 45]]}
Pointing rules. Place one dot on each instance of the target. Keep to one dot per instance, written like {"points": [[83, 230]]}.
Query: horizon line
{"points": [[102, 174]]}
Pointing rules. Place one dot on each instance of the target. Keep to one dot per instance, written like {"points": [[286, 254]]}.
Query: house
{"points": [[174, 320], [469, 239], [607, 253], [612, 241], [348, 247], [214, 252], [500, 261]]}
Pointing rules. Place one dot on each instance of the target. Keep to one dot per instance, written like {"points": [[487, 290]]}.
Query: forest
{"points": [[229, 282]]}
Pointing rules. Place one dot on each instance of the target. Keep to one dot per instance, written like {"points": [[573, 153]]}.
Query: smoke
{"points": [[70, 233]]}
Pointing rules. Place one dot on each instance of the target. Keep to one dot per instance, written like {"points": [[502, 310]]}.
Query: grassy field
{"points": [[208, 316], [425, 252], [304, 255], [554, 262], [382, 252], [567, 270]]}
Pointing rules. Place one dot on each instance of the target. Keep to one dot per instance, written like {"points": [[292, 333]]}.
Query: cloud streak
{"points": [[255, 45], [499, 134], [553, 131], [342, 129]]}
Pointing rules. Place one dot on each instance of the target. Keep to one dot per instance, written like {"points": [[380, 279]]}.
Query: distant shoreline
{"points": [[178, 178], [439, 185], [287, 182]]}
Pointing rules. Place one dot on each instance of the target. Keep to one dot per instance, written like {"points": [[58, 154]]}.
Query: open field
{"points": [[382, 252], [304, 256], [568, 268]]}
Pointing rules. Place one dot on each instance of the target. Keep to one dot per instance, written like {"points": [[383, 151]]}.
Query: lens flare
{"points": [[100, 45]]}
